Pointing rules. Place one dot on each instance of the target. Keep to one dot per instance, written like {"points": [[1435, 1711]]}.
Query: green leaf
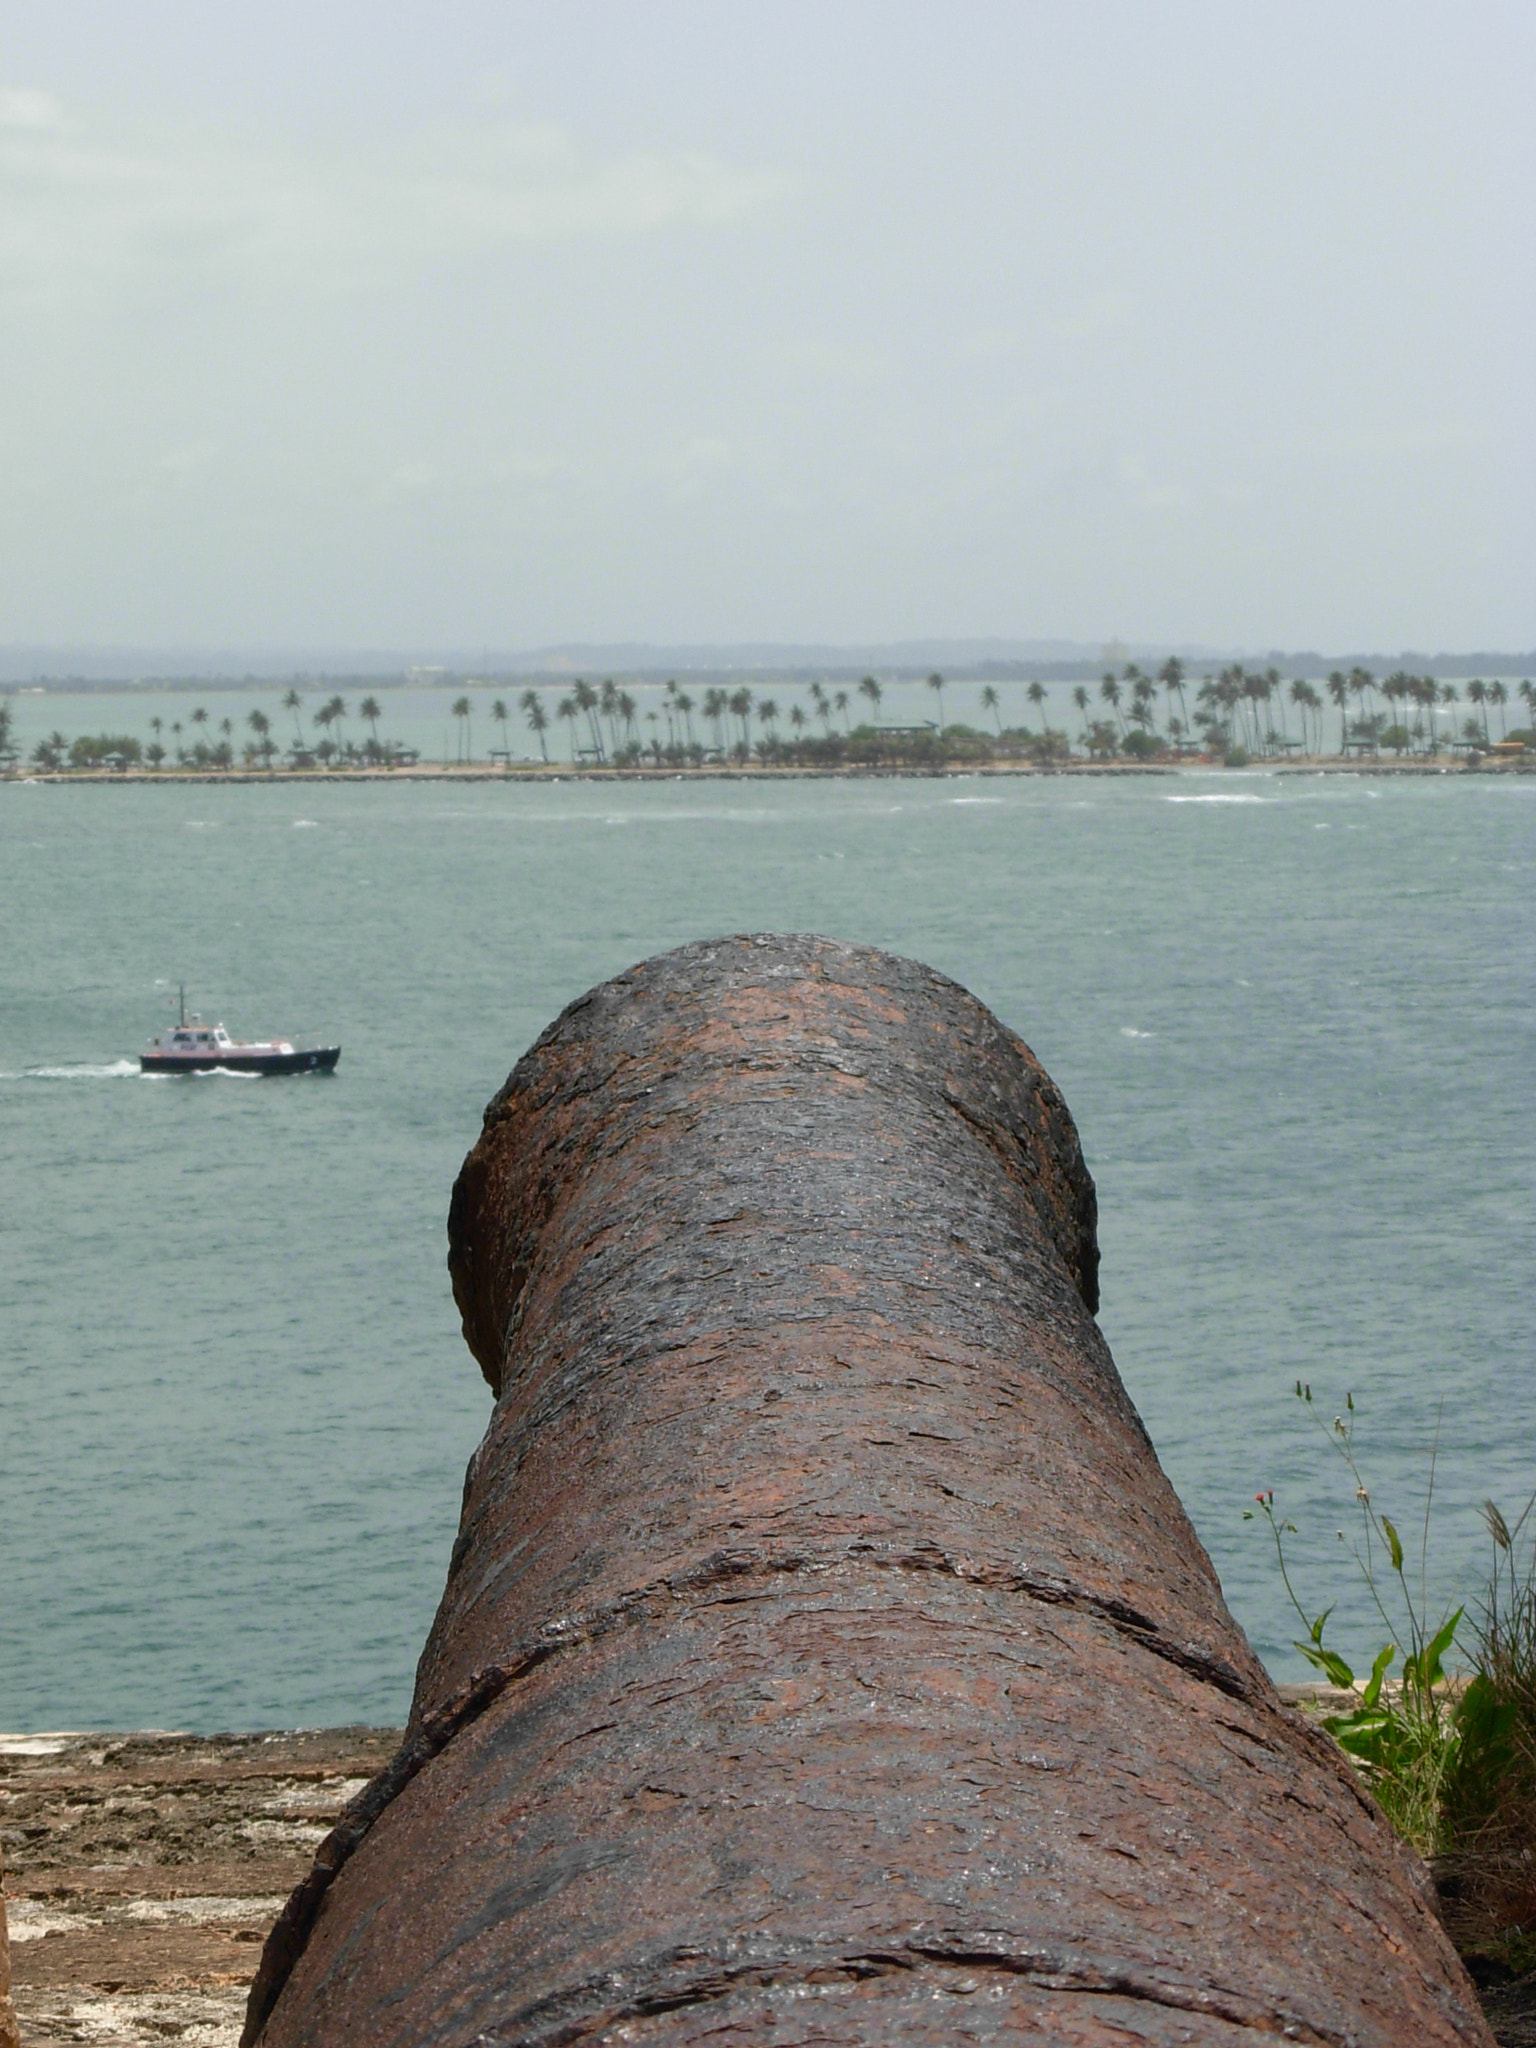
{"points": [[1394, 1544], [1327, 1661], [1320, 1624], [1430, 1673], [1368, 1736], [1372, 1691]]}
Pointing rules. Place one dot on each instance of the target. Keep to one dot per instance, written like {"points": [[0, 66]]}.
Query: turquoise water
{"points": [[1293, 1018]]}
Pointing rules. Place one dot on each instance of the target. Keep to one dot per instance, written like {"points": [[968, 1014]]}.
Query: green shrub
{"points": [[91, 750]]}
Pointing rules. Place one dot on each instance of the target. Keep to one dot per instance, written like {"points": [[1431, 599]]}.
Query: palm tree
{"points": [[684, 705], [291, 702], [199, 718], [1363, 683], [1395, 690], [1109, 691], [989, 703], [797, 719], [1528, 692], [587, 702], [532, 707], [181, 752], [461, 713], [1338, 690], [337, 707], [840, 704], [261, 725], [936, 684], [1303, 696], [627, 710], [1080, 699], [609, 707], [714, 711], [740, 706], [768, 715], [1036, 695], [1171, 676], [1255, 691], [1425, 698], [369, 709], [1497, 694], [156, 725], [1446, 697], [566, 708], [871, 689], [1477, 693], [1274, 692]]}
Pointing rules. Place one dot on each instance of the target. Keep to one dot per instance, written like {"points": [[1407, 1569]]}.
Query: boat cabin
{"points": [[199, 1038]]}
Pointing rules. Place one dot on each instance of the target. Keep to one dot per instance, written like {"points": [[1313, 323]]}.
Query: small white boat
{"points": [[193, 1047]]}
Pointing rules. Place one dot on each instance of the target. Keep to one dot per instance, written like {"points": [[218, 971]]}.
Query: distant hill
{"points": [[89, 667]]}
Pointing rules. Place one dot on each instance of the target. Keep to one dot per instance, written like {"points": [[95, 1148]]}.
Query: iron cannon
{"points": [[825, 1657]]}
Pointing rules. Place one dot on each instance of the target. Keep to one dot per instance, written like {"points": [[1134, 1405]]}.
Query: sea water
{"points": [[1292, 1016]]}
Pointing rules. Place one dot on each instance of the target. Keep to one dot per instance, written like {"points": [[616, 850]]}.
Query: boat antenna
{"points": [[183, 988]]}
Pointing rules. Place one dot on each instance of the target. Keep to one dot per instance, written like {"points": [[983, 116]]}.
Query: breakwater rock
{"points": [[824, 1655]]}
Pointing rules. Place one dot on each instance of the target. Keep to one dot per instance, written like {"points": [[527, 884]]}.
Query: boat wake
{"points": [[84, 1070]]}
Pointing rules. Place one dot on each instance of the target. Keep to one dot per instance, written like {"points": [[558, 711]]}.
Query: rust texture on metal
{"points": [[824, 1655]]}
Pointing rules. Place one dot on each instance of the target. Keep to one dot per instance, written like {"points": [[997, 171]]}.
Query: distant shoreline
{"points": [[539, 772]]}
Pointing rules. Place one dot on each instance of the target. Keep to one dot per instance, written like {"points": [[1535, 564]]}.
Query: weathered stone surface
{"points": [[824, 1656], [144, 1872], [9, 2036]]}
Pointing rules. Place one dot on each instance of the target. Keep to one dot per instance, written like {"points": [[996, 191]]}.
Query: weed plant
{"points": [[1405, 1733], [1449, 1757], [1488, 1804]]}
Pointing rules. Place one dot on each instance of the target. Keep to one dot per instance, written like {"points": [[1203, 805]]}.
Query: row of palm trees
{"points": [[1238, 712], [200, 750], [1245, 710], [606, 725]]}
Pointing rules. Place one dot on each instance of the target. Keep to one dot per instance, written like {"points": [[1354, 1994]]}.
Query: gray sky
{"points": [[398, 324]]}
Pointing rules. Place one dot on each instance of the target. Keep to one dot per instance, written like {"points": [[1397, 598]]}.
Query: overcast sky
{"points": [[404, 324]]}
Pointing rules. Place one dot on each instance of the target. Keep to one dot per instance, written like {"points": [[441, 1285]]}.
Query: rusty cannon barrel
{"points": [[824, 1656]]}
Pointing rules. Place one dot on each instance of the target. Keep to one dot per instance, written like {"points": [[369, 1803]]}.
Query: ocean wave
{"points": [[1222, 797]]}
